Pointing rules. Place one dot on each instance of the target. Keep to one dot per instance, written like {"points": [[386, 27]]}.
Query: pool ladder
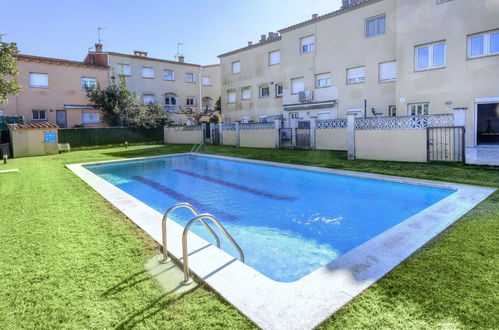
{"points": [[195, 148], [201, 218]]}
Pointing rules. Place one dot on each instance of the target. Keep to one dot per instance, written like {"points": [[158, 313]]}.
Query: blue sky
{"points": [[66, 29]]}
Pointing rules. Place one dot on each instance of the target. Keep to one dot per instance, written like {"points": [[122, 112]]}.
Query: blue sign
{"points": [[50, 137]]}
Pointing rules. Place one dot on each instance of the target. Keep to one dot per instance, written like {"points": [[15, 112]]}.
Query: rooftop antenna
{"points": [[178, 49], [98, 33]]}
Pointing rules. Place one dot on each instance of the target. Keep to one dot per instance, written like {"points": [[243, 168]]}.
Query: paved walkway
{"points": [[483, 156]]}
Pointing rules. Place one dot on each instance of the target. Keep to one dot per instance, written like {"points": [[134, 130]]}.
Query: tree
{"points": [[8, 70], [123, 108]]}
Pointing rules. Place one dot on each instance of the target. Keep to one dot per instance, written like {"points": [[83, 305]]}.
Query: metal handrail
{"points": [[163, 227], [193, 147], [185, 255]]}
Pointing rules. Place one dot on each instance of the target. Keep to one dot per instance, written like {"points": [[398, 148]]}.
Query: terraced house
{"points": [[180, 87], [382, 57]]}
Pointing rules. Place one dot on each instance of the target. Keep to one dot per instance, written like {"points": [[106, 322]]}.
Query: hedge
{"points": [[85, 137]]}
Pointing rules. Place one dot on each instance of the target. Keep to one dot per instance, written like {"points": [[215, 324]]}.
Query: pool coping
{"points": [[305, 303]]}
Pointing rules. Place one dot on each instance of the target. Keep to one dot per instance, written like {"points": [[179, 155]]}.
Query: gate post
{"points": [[221, 133], [294, 125], [277, 128], [203, 132], [351, 115], [312, 133], [237, 135]]}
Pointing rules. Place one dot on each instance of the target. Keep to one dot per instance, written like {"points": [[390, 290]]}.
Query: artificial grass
{"points": [[68, 259]]}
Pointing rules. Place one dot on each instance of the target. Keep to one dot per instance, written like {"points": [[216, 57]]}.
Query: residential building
{"points": [[54, 91], [179, 87], [385, 57]]}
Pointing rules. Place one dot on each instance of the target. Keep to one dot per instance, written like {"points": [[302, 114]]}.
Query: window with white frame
{"points": [[375, 26], [431, 56], [388, 71], [246, 94], [297, 85], [190, 102], [206, 81], [263, 91], [147, 72], [236, 67], [419, 109], [170, 102], [323, 80], [307, 44], [275, 57], [39, 114], [88, 83], [90, 117], [356, 75], [169, 75], [278, 90], [231, 97], [149, 99], [483, 44], [38, 80], [123, 69], [324, 115], [190, 77]]}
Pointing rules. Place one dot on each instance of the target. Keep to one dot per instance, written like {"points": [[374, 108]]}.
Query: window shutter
{"points": [[388, 71]]}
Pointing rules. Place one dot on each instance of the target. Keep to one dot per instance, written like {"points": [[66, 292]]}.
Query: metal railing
{"points": [[163, 227], [195, 148]]}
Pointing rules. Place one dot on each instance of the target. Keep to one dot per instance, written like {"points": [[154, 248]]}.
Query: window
{"points": [[39, 114], [419, 109], [323, 80], [231, 97], [275, 57], [307, 44], [356, 75], [441, 1], [246, 94], [88, 83], [324, 115], [263, 91], [90, 117], [206, 81], [236, 67], [123, 69], [169, 75], [149, 99], [1, 113], [388, 71], [483, 44], [430, 56], [39, 80], [190, 78], [297, 85], [190, 101], [278, 90], [294, 115], [375, 26], [392, 110], [147, 72], [170, 102]]}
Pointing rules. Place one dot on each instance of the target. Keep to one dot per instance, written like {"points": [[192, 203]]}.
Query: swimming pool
{"points": [[289, 222]]}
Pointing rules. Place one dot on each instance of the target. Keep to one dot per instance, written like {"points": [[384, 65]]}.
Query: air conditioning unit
{"points": [[306, 96]]}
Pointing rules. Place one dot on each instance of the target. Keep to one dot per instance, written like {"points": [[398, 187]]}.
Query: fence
{"points": [[183, 135], [84, 137]]}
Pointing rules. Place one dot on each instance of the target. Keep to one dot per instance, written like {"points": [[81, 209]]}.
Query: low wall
{"points": [[257, 138], [393, 145], [229, 137], [179, 135], [331, 139]]}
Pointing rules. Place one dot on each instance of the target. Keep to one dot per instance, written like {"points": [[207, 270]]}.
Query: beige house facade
{"points": [[179, 87], [382, 57], [54, 91]]}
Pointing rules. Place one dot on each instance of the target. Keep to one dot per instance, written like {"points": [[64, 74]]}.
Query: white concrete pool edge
{"points": [[307, 302]]}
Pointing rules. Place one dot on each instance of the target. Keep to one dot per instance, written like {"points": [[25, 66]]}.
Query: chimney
{"points": [[98, 48], [314, 16], [139, 53], [263, 37], [250, 43], [181, 58], [271, 35]]}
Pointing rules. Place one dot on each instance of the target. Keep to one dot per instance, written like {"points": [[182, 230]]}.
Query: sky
{"points": [[67, 29]]}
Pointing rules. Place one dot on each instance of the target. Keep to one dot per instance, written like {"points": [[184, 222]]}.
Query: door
{"points": [[487, 124], [61, 118], [303, 135]]}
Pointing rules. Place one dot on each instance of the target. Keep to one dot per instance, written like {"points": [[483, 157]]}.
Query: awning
{"points": [[308, 106]]}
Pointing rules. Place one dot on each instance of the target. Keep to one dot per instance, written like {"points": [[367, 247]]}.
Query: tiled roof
{"points": [[152, 59], [261, 43], [329, 15], [34, 125], [52, 60]]}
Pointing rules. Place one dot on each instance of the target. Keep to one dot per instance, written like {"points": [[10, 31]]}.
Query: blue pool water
{"points": [[288, 222]]}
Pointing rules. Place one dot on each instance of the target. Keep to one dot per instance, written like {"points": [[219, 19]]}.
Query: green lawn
{"points": [[68, 259]]}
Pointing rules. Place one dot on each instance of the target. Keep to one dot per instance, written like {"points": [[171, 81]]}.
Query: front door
{"points": [[61, 118], [487, 126]]}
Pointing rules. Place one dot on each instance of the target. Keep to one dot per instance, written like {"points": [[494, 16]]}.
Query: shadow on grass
{"points": [[149, 151]]}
